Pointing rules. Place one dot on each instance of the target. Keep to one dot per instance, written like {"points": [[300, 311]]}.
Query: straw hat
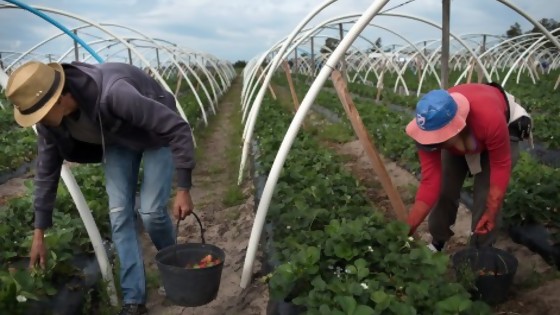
{"points": [[34, 88], [440, 115]]}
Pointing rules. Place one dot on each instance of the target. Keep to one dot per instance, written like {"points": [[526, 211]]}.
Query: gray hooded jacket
{"points": [[132, 109]]}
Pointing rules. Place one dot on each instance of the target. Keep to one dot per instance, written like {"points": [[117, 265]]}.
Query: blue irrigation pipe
{"points": [[58, 25]]}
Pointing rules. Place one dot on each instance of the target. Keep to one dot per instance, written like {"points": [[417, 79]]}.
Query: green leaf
{"points": [[325, 310], [362, 269], [351, 270], [319, 283], [313, 255], [343, 251], [365, 310], [381, 299], [50, 290], [455, 304], [347, 303]]}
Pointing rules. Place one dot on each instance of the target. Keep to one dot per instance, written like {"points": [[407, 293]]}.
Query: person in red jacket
{"points": [[464, 129]]}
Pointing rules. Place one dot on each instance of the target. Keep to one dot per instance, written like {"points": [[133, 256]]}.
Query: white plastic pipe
{"points": [[258, 101], [291, 134], [127, 45], [92, 230]]}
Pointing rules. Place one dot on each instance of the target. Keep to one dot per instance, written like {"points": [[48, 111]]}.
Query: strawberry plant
{"points": [[65, 240], [532, 195], [368, 266], [338, 254]]}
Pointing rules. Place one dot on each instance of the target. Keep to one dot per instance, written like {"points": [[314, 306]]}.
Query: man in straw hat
{"points": [[473, 128], [115, 114]]}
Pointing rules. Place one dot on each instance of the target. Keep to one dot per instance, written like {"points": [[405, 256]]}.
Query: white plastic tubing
{"points": [[275, 63], [127, 45], [291, 134]]}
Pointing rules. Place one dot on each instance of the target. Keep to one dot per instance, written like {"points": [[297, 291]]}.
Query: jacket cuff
{"points": [[184, 178], [43, 219]]}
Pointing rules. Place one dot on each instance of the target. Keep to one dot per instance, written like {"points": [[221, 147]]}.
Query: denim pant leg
{"points": [[154, 196], [121, 174]]}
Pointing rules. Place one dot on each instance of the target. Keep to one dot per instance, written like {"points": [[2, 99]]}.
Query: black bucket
{"points": [[492, 269], [185, 286]]}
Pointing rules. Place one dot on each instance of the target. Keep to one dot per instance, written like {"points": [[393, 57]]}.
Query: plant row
{"points": [[337, 252], [532, 194], [540, 99]]}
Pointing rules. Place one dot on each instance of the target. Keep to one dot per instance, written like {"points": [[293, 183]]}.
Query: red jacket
{"points": [[487, 122]]}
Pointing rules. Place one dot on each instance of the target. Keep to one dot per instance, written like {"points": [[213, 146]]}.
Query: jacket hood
{"points": [[84, 82]]}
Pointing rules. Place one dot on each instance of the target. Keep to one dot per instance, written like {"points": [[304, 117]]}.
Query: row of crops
{"points": [[332, 252], [70, 282], [532, 195]]}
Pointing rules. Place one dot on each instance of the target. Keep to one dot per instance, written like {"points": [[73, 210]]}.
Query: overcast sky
{"points": [[240, 29]]}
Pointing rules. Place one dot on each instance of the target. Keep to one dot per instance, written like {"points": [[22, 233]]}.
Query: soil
{"points": [[226, 227], [15, 187]]}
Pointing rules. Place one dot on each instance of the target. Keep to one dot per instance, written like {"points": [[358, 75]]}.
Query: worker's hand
{"points": [[488, 220], [183, 205], [38, 252], [417, 215], [486, 223]]}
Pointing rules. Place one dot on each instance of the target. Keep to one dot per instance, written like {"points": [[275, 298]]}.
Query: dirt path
{"points": [[13, 188], [227, 213]]}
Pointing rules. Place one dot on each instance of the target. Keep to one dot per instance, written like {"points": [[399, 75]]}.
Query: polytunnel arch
{"points": [[96, 25], [211, 79], [528, 50], [399, 76], [253, 113], [277, 165], [201, 106], [360, 24], [513, 46], [276, 61]]}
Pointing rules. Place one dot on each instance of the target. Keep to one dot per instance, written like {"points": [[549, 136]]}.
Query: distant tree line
{"points": [[240, 64], [550, 24]]}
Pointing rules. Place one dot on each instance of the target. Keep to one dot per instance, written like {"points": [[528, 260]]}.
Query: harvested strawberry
{"points": [[207, 261]]}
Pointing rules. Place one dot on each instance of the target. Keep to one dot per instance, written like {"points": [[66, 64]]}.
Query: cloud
{"points": [[241, 29]]}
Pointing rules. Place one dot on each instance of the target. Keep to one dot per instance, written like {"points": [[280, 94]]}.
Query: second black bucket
{"points": [[185, 286], [493, 270]]}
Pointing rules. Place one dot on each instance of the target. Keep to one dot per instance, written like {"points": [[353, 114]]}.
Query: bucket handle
{"points": [[199, 224], [496, 264]]}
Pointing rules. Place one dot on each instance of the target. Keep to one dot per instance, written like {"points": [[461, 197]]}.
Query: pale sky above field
{"points": [[240, 29]]}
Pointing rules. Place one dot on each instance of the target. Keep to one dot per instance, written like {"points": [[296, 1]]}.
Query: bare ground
{"points": [[226, 227], [15, 187]]}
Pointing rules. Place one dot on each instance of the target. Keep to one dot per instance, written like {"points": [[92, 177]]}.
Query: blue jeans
{"points": [[121, 174]]}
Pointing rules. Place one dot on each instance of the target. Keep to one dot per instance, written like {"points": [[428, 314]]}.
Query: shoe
{"points": [[436, 246], [133, 309]]}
